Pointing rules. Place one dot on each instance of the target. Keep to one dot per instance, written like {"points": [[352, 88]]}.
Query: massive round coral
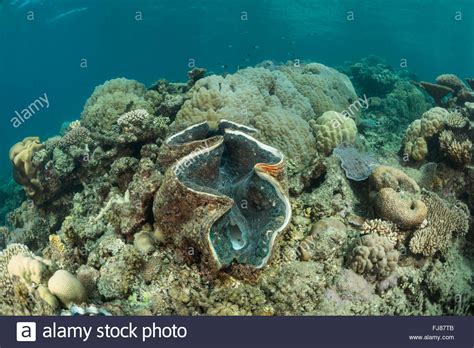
{"points": [[395, 197]]}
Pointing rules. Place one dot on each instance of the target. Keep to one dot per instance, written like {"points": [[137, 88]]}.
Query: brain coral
{"points": [[67, 288], [277, 102], [444, 219], [415, 140], [332, 129], [21, 155], [6, 290], [112, 99], [396, 197], [375, 255]]}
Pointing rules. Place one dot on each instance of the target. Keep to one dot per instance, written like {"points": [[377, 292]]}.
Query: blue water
{"points": [[44, 55]]}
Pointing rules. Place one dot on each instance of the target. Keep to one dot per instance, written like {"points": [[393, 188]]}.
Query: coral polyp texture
{"points": [[396, 197], [21, 155], [274, 190], [228, 198]]}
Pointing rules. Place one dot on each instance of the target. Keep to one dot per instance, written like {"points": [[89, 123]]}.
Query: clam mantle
{"points": [[224, 194]]}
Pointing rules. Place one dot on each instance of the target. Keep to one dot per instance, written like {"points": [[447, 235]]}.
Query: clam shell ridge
{"points": [[227, 197]]}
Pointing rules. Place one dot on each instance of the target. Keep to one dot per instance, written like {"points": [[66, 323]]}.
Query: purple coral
{"points": [[357, 165]]}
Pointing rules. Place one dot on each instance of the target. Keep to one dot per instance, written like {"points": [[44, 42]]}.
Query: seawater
{"points": [[66, 48]]}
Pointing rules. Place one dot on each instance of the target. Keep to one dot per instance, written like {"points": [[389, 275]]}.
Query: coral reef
{"points": [[252, 201]]}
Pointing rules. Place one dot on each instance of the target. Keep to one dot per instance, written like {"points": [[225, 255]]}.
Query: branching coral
{"points": [[382, 228], [459, 152], [139, 126], [444, 220], [456, 120]]}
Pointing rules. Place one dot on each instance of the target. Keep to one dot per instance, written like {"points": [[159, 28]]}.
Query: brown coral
{"points": [[395, 197], [381, 228], [456, 120], [415, 141], [333, 129], [374, 255], [444, 219], [450, 81], [458, 151], [438, 92]]}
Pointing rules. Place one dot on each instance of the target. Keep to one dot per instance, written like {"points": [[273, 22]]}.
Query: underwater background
{"points": [[224, 157], [44, 54]]}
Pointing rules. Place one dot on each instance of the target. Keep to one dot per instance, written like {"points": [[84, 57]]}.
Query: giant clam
{"points": [[224, 193]]}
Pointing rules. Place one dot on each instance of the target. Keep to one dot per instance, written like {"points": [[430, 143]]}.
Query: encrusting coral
{"points": [[326, 238]]}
